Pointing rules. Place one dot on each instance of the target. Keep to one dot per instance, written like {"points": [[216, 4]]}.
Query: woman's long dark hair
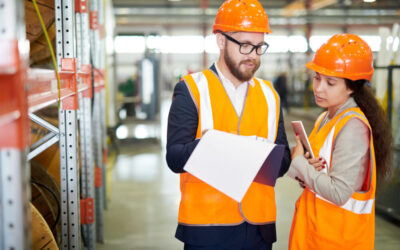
{"points": [[377, 118]]}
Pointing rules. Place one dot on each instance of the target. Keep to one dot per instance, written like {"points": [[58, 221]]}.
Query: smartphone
{"points": [[300, 131]]}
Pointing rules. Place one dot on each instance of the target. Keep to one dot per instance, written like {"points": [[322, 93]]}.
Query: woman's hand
{"points": [[301, 182], [298, 148], [317, 163]]}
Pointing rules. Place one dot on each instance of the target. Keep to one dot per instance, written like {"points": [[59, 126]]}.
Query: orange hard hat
{"points": [[346, 56], [241, 15]]}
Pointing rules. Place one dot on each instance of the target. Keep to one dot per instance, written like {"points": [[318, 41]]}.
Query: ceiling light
{"points": [[369, 1]]}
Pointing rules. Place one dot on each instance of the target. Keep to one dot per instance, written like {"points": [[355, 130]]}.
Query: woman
{"points": [[351, 143]]}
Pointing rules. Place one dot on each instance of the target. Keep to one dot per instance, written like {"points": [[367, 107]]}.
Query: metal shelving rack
{"points": [[99, 128], [85, 100], [25, 91], [14, 130]]}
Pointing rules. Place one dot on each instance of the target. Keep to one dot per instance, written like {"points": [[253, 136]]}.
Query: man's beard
{"points": [[242, 76]]}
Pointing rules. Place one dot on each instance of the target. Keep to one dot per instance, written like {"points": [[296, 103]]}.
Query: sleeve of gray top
{"points": [[350, 159]]}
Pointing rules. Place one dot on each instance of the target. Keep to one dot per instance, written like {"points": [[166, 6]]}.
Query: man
{"points": [[227, 97], [281, 87]]}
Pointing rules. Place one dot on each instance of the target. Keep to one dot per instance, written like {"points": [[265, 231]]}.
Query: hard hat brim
{"points": [[226, 28], [367, 76]]}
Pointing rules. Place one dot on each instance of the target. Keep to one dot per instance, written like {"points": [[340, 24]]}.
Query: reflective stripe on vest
{"points": [[273, 119], [320, 224], [271, 97], [206, 117], [203, 205], [352, 205]]}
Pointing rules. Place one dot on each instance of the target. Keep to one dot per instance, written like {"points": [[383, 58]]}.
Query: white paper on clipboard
{"points": [[301, 132], [230, 163]]}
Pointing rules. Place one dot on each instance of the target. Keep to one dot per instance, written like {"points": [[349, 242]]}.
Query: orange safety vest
{"points": [[201, 204], [320, 224]]}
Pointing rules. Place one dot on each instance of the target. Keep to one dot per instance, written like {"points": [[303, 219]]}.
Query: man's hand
{"points": [[301, 182], [204, 132]]}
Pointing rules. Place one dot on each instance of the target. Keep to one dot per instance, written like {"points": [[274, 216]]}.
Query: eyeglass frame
{"points": [[241, 44]]}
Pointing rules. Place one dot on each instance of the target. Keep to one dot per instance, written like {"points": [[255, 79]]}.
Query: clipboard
{"points": [[298, 128], [269, 171], [230, 163]]}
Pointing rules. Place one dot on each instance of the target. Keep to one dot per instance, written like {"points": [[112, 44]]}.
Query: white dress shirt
{"points": [[236, 95]]}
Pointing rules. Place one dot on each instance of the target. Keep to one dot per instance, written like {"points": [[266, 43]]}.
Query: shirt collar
{"points": [[350, 103], [224, 79]]}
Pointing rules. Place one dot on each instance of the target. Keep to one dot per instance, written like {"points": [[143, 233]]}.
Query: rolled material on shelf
{"points": [[46, 198], [39, 52], [42, 238]]}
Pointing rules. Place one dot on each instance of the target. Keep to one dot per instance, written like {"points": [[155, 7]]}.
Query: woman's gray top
{"points": [[349, 165]]}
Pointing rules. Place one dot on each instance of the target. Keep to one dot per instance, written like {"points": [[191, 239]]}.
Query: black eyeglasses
{"points": [[247, 48]]}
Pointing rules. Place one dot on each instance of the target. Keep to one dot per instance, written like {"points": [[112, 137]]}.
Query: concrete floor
{"points": [[142, 212]]}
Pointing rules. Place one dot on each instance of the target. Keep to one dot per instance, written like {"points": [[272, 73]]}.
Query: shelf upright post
{"points": [[97, 114], [69, 167], [86, 143], [104, 140], [98, 153], [101, 53], [14, 129]]}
